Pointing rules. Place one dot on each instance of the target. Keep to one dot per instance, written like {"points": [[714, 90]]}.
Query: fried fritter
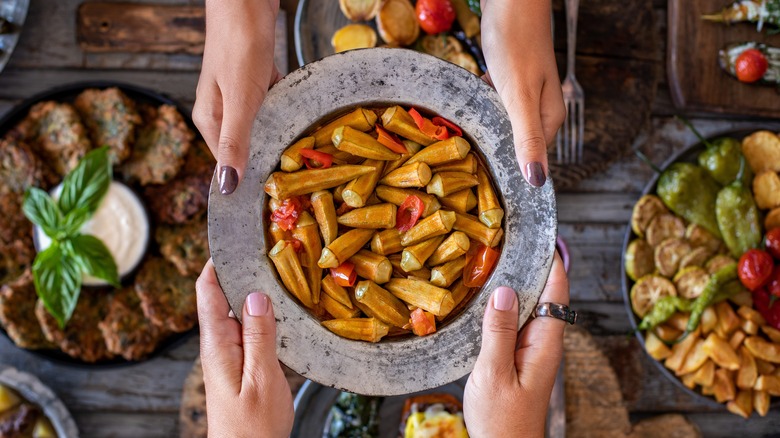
{"points": [[126, 330], [167, 297], [54, 131], [81, 338], [178, 201], [16, 244], [111, 118], [20, 168], [160, 149], [187, 246], [17, 313], [199, 161]]}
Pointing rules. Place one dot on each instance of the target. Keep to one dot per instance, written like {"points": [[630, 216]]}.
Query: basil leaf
{"points": [[86, 185], [72, 222], [94, 258], [57, 280], [40, 208]]}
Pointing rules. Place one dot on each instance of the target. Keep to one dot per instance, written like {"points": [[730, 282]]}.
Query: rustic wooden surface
{"points": [[695, 79], [143, 400]]}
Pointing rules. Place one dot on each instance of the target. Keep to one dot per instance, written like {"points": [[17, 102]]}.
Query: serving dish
{"points": [[29, 387], [688, 155], [14, 12], [142, 96], [332, 86]]}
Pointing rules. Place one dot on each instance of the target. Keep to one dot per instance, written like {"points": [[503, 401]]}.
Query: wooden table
{"points": [[143, 400]]}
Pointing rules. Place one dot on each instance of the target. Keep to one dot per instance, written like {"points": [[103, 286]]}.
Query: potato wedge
{"points": [[766, 190], [397, 23], [723, 386], [772, 333], [761, 402], [762, 151], [736, 339], [709, 320], [762, 349], [765, 367], [656, 348], [748, 372], [770, 384], [667, 333], [728, 321], [695, 358], [721, 352], [705, 375], [679, 351], [751, 315], [742, 405]]}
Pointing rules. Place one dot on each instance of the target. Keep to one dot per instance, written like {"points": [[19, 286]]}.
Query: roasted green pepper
{"points": [[715, 289], [738, 217], [721, 160], [690, 192], [663, 309]]}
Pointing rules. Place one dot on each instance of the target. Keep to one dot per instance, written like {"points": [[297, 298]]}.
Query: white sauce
{"points": [[120, 223]]}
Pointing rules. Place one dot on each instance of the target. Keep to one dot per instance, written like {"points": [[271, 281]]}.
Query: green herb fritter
{"points": [[186, 246], [126, 330], [17, 313], [20, 168], [16, 244], [111, 119], [167, 297]]}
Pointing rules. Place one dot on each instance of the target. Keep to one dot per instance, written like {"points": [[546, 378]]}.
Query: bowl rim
{"points": [[356, 82], [687, 154]]}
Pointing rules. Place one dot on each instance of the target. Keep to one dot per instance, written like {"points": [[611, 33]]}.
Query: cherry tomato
{"points": [[480, 261], [390, 140], [287, 214], [316, 159], [344, 274], [773, 285], [772, 241], [423, 323], [755, 268], [435, 16], [767, 307], [409, 213], [751, 65]]}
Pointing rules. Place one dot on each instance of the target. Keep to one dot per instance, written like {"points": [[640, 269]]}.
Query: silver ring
{"points": [[557, 311]]}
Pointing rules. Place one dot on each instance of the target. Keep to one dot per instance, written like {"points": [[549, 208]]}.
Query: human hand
{"points": [[238, 68], [518, 47], [246, 390], [508, 392]]}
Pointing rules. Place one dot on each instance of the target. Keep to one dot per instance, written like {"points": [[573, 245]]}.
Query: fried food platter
{"points": [[134, 323]]}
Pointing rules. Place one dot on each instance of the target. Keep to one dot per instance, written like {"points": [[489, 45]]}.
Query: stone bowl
{"points": [[316, 93]]}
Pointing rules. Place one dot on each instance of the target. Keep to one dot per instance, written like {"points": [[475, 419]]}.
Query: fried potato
{"points": [[688, 380], [742, 405], [772, 219], [764, 367], [761, 402], [736, 339], [705, 375], [397, 23], [679, 321], [721, 352], [748, 372], [723, 386], [728, 321], [766, 189], [751, 315], [709, 320], [762, 151], [667, 333], [762, 349], [353, 36], [695, 359], [656, 348], [770, 384], [680, 350], [772, 333]]}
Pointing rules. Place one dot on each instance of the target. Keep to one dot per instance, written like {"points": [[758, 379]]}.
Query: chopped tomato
{"points": [[441, 121], [427, 127], [287, 214], [423, 323], [480, 262], [409, 213], [316, 159], [390, 140], [344, 274]]}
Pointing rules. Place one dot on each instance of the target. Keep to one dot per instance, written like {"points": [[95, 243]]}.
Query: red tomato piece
{"points": [[480, 261], [427, 127], [344, 274], [768, 308], [773, 285], [409, 213], [287, 214], [390, 141], [772, 241], [316, 159], [435, 16], [423, 323], [751, 65], [755, 268], [441, 121], [296, 244]]}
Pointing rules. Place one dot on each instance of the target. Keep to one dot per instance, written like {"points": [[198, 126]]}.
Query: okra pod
{"points": [[434, 225], [408, 175], [444, 275], [468, 165], [459, 293], [336, 291], [396, 119], [337, 309], [361, 144], [490, 211], [360, 119], [454, 246], [397, 196], [411, 148], [344, 247], [307, 232], [277, 233], [374, 267], [338, 191], [422, 294], [291, 157], [477, 230], [414, 256], [358, 329], [446, 183], [325, 213], [461, 202], [395, 260], [384, 305], [373, 199], [387, 242], [340, 157], [282, 185], [357, 192], [378, 216], [289, 268], [442, 152]]}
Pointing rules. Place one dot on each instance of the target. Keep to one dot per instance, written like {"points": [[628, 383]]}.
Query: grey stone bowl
{"points": [[317, 92]]}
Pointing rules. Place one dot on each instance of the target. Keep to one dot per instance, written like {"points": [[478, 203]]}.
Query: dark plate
{"points": [[689, 154], [68, 93]]}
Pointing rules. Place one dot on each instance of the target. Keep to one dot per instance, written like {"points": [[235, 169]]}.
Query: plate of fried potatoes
{"points": [[381, 206], [690, 279]]}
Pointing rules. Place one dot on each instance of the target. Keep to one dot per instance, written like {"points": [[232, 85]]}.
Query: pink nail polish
{"points": [[504, 298], [257, 304]]}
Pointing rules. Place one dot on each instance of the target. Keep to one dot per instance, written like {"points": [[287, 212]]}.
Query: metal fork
{"points": [[569, 140]]}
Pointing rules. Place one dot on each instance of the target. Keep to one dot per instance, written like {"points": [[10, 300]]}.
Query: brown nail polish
{"points": [[535, 174], [228, 180]]}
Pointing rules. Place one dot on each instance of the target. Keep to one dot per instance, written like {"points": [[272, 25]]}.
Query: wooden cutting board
{"points": [[695, 79]]}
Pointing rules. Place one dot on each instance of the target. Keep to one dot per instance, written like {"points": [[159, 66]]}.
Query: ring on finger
{"points": [[557, 311]]}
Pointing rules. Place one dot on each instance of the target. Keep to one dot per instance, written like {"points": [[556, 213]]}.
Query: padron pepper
{"points": [[714, 291], [663, 309], [738, 217], [721, 159], [689, 191]]}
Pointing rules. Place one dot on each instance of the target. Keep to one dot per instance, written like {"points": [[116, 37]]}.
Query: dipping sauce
{"points": [[120, 223]]}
